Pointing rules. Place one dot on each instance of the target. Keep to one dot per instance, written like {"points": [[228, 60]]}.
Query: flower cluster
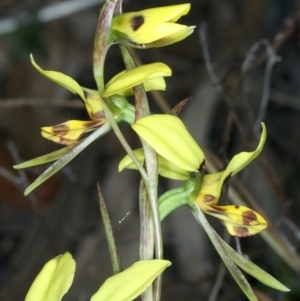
{"points": [[167, 146], [180, 157]]}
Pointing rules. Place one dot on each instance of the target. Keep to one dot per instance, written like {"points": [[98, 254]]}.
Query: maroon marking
{"points": [[216, 210], [136, 22], [208, 198], [236, 207], [241, 231], [202, 167], [98, 116], [248, 217], [227, 179], [60, 130]]}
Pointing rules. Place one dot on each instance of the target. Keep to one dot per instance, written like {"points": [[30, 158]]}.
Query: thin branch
{"points": [[272, 60], [207, 60], [23, 102]]}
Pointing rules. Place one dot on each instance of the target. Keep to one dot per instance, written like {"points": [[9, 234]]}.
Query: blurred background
{"points": [[240, 66]]}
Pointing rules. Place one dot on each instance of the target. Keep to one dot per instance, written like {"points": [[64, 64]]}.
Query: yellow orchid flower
{"points": [[69, 132], [56, 277], [120, 85], [154, 27], [151, 75], [179, 155]]}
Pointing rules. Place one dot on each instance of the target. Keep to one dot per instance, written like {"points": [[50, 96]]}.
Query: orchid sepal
{"points": [[153, 27], [130, 78], [168, 136]]}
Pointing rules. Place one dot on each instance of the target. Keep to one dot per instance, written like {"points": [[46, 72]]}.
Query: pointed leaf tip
{"points": [[54, 280], [131, 282]]}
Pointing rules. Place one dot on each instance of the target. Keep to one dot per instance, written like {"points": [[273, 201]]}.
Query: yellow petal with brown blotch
{"points": [[239, 220], [149, 25], [93, 104], [69, 132]]}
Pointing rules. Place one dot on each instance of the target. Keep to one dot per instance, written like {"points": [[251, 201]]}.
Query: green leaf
{"points": [[45, 158], [130, 283], [233, 269], [252, 269], [54, 280]]}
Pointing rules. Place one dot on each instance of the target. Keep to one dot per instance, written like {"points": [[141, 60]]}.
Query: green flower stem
{"points": [[147, 234], [128, 114], [115, 260], [142, 109], [198, 183], [103, 39], [125, 109], [175, 198], [116, 129]]}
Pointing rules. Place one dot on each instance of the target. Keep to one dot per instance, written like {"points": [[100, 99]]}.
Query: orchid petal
{"points": [[130, 283], [54, 280], [68, 132], [150, 25], [168, 136], [130, 78], [165, 168], [239, 220], [61, 79]]}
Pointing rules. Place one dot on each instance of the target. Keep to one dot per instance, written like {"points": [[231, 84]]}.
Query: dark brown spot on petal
{"points": [[241, 231], [219, 208], [208, 198], [248, 217], [87, 94], [99, 115], [202, 167], [136, 22], [227, 178], [60, 130], [236, 207], [216, 210], [65, 141]]}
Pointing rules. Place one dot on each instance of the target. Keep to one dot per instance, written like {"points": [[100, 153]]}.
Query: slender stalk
{"points": [[116, 129], [147, 234], [115, 260], [142, 109], [102, 41]]}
